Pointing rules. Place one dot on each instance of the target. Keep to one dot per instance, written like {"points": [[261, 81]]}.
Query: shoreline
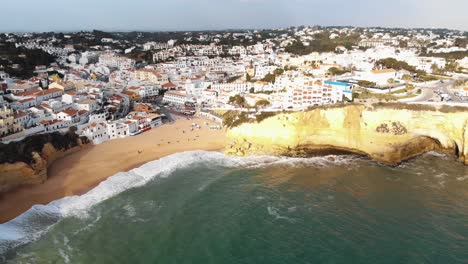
{"points": [[79, 172]]}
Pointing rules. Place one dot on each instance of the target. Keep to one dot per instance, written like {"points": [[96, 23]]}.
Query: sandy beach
{"points": [[79, 172]]}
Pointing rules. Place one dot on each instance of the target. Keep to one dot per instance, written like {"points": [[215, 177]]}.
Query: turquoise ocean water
{"points": [[203, 207]]}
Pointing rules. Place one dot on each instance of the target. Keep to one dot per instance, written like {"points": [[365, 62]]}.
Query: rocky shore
{"points": [[386, 135], [26, 162]]}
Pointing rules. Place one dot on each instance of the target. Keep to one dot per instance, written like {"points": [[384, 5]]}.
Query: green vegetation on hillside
{"points": [[391, 63], [364, 83], [21, 151], [26, 59], [323, 43], [421, 107], [455, 55], [236, 118], [337, 71], [237, 100]]}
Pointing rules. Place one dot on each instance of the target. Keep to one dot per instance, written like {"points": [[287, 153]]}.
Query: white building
{"points": [[152, 76], [154, 120], [121, 129], [96, 118], [175, 97], [262, 71], [240, 87], [209, 95], [111, 60], [4, 75], [315, 93], [145, 91], [380, 77], [89, 105], [96, 132]]}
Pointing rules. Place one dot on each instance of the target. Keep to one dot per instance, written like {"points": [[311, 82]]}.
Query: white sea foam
{"points": [[275, 213], [436, 154], [37, 220], [462, 178]]}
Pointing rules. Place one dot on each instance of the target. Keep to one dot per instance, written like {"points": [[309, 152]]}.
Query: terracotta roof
{"points": [[383, 71], [168, 85], [87, 101], [51, 122], [38, 92], [27, 93], [128, 92], [70, 112], [178, 93], [20, 114], [26, 100], [153, 116], [45, 105], [53, 90], [151, 71]]}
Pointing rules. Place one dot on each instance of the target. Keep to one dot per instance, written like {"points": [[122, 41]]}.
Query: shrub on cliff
{"points": [[264, 115], [413, 107], [364, 83], [21, 151], [453, 109], [331, 106], [236, 118]]}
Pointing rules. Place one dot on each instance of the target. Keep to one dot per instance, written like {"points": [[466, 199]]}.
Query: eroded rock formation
{"points": [[26, 161], [386, 135]]}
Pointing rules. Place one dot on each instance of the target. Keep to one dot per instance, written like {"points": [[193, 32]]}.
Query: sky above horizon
{"points": [[154, 15]]}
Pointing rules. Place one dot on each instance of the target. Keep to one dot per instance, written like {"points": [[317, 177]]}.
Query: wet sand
{"points": [[79, 172]]}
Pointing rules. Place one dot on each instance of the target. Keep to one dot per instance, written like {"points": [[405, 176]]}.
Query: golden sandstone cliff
{"points": [[387, 134], [26, 162]]}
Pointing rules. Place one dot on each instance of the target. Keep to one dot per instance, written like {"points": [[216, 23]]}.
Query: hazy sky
{"points": [[71, 15]]}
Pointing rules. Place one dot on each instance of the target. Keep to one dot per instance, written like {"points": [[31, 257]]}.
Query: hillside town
{"points": [[113, 85]]}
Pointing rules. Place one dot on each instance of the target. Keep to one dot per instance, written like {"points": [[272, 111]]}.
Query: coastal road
{"points": [[165, 111], [429, 91]]}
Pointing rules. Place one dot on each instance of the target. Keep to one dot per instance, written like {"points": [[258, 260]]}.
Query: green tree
{"points": [[262, 103], [336, 71], [407, 78], [248, 78], [270, 77], [403, 44], [436, 70], [237, 100], [364, 83], [391, 63], [278, 71], [233, 78], [452, 66]]}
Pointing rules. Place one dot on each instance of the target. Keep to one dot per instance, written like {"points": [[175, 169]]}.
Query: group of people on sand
{"points": [[192, 128]]}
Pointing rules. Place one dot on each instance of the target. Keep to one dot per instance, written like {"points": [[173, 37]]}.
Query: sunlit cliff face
{"points": [[385, 135]]}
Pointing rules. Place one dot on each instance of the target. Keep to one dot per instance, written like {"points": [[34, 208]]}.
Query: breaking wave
{"points": [[40, 218]]}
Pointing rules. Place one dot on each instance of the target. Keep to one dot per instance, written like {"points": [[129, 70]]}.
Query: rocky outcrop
{"points": [[384, 134], [26, 162]]}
